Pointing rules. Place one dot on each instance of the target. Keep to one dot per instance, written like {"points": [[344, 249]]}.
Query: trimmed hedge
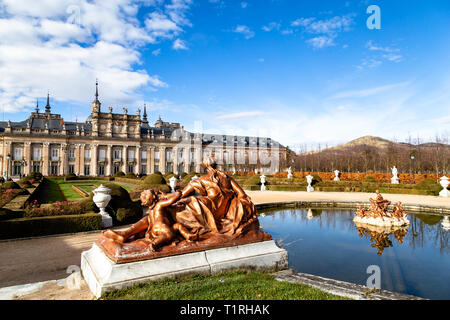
{"points": [[127, 180], [41, 226], [6, 214], [154, 179]]}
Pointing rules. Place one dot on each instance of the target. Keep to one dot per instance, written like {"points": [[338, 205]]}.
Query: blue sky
{"points": [[301, 72]]}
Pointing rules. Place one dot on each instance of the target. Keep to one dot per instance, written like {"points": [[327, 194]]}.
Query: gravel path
{"points": [[47, 258]]}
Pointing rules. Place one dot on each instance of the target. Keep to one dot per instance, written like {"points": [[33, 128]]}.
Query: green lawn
{"points": [[69, 193], [234, 285]]}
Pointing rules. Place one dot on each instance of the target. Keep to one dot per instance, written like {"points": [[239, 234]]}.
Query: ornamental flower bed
{"points": [[57, 208], [356, 176]]}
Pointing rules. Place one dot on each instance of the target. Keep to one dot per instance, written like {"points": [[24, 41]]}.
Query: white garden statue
{"points": [[309, 179], [290, 175], [101, 199], [395, 179], [263, 181], [444, 183], [173, 183], [336, 175]]}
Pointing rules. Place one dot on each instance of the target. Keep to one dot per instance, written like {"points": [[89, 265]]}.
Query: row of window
{"points": [[117, 155]]}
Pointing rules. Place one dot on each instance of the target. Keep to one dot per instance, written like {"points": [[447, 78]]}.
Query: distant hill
{"points": [[378, 143]]}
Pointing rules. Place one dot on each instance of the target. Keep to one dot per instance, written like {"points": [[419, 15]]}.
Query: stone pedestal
{"points": [[107, 221], [395, 180], [102, 274]]}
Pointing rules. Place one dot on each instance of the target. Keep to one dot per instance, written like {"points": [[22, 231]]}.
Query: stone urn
{"points": [[173, 183], [444, 183], [309, 179], [101, 199], [263, 181], [336, 175]]}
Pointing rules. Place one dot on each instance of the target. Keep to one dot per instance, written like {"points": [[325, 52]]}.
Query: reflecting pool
{"points": [[326, 242]]}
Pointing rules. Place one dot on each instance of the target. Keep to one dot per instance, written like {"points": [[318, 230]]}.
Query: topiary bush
{"points": [[130, 175], [70, 176], [316, 179], [154, 179], [10, 185], [119, 174]]}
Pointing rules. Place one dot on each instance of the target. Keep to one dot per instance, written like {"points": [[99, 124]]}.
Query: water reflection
{"points": [[425, 229], [326, 242], [379, 236]]}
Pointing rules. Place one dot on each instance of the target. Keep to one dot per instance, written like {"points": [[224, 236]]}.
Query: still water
{"points": [[326, 242]]}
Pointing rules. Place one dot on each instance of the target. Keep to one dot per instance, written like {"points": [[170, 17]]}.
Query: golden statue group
{"points": [[210, 212], [378, 213]]}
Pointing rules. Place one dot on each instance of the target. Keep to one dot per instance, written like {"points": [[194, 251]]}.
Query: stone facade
{"points": [[109, 142]]}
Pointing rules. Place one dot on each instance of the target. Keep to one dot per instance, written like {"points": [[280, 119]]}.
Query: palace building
{"points": [[108, 142]]}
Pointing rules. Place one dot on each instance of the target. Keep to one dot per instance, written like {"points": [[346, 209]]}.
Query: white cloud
{"points": [[380, 55], [363, 93], [179, 44], [244, 5], [64, 45], [242, 29], [156, 52], [159, 25], [271, 26], [321, 42], [326, 30], [240, 115], [371, 46]]}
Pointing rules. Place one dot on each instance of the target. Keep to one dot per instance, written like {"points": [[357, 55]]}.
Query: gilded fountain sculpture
{"points": [[378, 214]]}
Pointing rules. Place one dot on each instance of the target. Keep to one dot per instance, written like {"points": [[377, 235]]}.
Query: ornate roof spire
{"points": [[96, 90], [144, 117], [37, 106], [47, 107]]}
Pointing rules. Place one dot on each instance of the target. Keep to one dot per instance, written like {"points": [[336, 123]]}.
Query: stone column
{"points": [[82, 148], [108, 171], [162, 160], [137, 169], [7, 163], [186, 155], [150, 160], [175, 160], [63, 159], [94, 156], [198, 158], [124, 158], [45, 158], [27, 158]]}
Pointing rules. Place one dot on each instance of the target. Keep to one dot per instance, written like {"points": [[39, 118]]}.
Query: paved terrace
{"points": [[47, 258]]}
